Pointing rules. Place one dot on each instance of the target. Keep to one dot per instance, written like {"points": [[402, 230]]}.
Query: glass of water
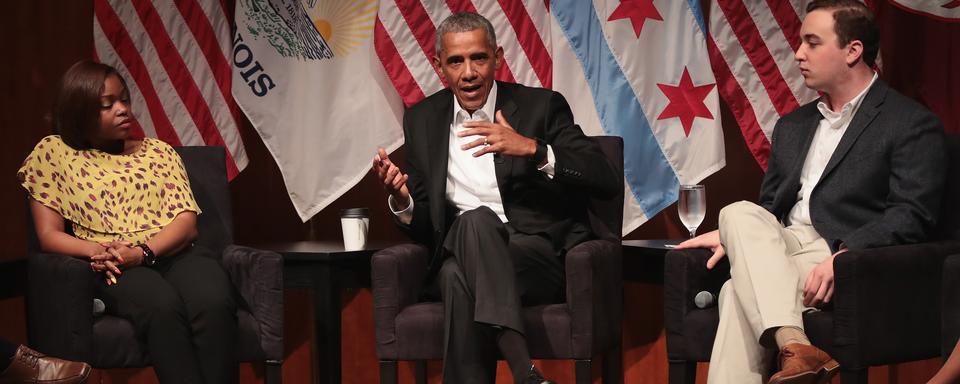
{"points": [[692, 206]]}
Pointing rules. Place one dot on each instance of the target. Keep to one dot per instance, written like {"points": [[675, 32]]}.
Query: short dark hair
{"points": [[853, 21], [465, 22], [76, 111]]}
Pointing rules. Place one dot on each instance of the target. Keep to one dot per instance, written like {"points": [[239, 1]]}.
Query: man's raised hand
{"points": [[498, 137], [393, 180]]}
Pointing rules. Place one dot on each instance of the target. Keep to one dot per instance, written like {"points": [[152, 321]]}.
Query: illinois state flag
{"points": [[307, 78], [646, 67]]}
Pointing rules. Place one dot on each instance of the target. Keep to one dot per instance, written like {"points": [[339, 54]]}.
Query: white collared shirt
{"points": [[472, 181], [829, 132]]}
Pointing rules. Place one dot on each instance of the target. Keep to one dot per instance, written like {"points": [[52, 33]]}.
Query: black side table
{"points": [[643, 259], [326, 268]]}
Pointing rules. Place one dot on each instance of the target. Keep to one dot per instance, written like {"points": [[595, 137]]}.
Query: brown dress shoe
{"points": [[804, 364], [29, 366]]}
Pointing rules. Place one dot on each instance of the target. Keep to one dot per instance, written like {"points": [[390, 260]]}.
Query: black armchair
{"points": [[886, 303], [586, 325], [60, 291], [950, 323]]}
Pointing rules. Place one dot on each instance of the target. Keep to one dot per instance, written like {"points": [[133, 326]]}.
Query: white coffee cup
{"points": [[355, 222]]}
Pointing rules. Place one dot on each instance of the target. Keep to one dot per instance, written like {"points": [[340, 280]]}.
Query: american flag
{"points": [[174, 57], [752, 45]]}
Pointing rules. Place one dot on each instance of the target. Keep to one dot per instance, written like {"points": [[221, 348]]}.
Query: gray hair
{"points": [[465, 22]]}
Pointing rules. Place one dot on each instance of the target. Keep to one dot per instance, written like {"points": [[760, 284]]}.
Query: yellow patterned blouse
{"points": [[109, 197]]}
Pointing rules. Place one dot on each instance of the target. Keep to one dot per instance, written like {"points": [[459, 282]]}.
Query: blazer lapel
{"points": [[506, 106], [438, 139], [809, 127], [865, 114]]}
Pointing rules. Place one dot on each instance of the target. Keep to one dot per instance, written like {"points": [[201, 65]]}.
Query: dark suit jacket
{"points": [[533, 202], [883, 184]]}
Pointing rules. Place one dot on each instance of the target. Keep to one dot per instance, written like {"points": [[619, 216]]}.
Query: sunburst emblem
{"points": [[344, 24]]}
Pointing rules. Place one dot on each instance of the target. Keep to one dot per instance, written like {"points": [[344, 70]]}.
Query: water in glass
{"points": [[692, 206]]}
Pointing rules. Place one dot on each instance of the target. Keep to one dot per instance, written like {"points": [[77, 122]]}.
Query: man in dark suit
{"points": [[496, 181], [861, 167]]}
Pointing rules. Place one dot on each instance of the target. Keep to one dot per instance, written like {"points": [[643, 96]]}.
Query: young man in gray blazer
{"points": [[496, 181], [861, 167]]}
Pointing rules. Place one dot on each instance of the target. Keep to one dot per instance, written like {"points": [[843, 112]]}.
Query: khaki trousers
{"points": [[769, 265]]}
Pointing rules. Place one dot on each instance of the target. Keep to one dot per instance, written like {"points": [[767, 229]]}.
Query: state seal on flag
{"points": [[310, 29], [943, 10]]}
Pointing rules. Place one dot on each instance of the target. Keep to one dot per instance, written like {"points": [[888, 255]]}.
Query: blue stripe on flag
{"points": [[651, 178], [698, 15]]}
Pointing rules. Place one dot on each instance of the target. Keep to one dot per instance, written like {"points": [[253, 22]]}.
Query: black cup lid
{"points": [[355, 212]]}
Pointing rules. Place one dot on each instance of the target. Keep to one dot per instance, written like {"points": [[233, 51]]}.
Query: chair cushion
{"points": [[420, 332], [549, 332], [248, 343], [115, 343], [818, 326]]}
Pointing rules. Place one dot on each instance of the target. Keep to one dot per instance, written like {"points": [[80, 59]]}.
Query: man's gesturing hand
{"points": [[497, 137], [709, 240], [393, 181]]}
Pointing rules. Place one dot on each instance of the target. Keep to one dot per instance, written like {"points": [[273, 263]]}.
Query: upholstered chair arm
{"points": [[900, 285], [258, 276], [950, 317], [60, 305], [594, 272], [397, 277], [685, 274]]}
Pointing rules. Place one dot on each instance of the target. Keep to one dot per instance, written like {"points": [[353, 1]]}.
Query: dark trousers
{"points": [[490, 272], [7, 351], [185, 312]]}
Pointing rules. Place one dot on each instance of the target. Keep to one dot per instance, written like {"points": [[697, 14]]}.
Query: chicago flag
{"points": [[646, 67]]}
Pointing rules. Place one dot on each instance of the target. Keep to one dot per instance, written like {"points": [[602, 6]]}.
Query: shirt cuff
{"points": [[549, 167], [406, 215]]}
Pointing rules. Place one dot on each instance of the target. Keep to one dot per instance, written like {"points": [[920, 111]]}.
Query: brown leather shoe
{"points": [[804, 364], [29, 366]]}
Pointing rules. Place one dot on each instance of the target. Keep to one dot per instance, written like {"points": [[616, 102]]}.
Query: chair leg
{"points": [[388, 372], [613, 366], [853, 376], [273, 371], [684, 372], [583, 370], [420, 371]]}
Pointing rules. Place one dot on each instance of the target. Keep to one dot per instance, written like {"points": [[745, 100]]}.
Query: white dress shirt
{"points": [[471, 181], [829, 132]]}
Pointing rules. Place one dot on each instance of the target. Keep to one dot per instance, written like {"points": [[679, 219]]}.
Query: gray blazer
{"points": [[883, 184]]}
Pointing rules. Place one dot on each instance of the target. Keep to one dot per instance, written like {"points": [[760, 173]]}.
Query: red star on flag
{"points": [[638, 11], [686, 101]]}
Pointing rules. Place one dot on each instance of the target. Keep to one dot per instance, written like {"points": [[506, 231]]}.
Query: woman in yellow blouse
{"points": [[133, 216]]}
